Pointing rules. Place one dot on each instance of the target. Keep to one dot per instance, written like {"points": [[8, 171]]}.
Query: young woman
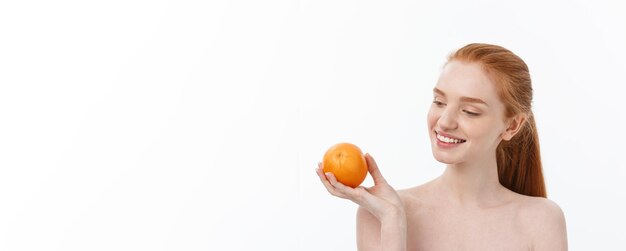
{"points": [[491, 195]]}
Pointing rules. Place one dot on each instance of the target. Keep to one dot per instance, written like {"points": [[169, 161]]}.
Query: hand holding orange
{"points": [[347, 163], [350, 167]]}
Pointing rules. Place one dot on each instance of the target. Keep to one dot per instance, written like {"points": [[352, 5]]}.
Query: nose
{"points": [[447, 120]]}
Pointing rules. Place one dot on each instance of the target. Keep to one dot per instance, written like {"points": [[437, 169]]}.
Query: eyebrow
{"points": [[463, 99]]}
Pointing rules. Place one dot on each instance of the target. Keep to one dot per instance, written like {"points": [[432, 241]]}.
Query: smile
{"points": [[449, 140]]}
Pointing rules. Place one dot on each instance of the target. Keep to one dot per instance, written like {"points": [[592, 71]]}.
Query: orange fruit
{"points": [[347, 163]]}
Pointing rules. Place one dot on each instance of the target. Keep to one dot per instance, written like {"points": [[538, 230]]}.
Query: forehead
{"points": [[467, 79]]}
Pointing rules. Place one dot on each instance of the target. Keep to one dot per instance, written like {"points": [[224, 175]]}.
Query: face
{"points": [[466, 119]]}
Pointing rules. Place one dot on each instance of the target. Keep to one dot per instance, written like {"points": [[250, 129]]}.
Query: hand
{"points": [[381, 200]]}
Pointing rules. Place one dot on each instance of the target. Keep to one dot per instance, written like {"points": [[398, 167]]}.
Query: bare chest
{"points": [[431, 228]]}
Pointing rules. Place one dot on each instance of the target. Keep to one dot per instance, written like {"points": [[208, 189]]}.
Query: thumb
{"points": [[374, 171]]}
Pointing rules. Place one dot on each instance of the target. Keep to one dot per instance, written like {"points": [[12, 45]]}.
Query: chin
{"points": [[445, 159]]}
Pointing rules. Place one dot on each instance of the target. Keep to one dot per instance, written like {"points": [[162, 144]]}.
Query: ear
{"points": [[515, 124]]}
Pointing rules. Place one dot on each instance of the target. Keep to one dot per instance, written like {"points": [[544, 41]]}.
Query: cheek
{"points": [[487, 130]]}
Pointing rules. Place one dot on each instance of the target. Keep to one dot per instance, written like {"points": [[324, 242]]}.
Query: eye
{"points": [[471, 113], [438, 103]]}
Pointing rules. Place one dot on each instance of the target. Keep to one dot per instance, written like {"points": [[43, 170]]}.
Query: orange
{"points": [[347, 163]]}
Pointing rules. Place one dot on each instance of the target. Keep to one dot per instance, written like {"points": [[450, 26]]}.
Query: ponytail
{"points": [[519, 162]]}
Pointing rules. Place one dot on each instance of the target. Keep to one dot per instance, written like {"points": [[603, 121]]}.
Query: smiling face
{"points": [[466, 119]]}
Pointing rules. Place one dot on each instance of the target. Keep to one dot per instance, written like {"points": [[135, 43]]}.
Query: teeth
{"points": [[449, 140]]}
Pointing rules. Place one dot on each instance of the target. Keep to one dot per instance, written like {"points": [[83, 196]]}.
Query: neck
{"points": [[471, 184]]}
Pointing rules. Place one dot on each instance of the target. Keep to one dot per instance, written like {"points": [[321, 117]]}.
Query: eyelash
{"points": [[473, 114], [437, 103]]}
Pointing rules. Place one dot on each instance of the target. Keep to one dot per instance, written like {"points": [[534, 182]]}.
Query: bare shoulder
{"points": [[414, 195], [544, 222], [539, 210]]}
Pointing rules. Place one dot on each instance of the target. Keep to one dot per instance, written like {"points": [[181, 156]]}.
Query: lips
{"points": [[449, 138]]}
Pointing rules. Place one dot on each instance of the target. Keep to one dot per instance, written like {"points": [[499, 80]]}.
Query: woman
{"points": [[491, 195]]}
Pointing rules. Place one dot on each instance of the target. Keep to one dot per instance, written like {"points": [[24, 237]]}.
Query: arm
{"points": [[373, 234]]}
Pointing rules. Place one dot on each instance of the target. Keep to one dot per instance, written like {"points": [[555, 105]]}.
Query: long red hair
{"points": [[519, 161]]}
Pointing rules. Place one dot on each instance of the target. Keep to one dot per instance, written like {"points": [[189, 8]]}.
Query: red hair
{"points": [[519, 161]]}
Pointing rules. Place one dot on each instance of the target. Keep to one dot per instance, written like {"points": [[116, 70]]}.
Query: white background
{"points": [[197, 125]]}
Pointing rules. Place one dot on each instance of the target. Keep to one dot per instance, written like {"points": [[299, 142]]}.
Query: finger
{"points": [[322, 177], [373, 169], [325, 181], [333, 181], [329, 187], [358, 195], [339, 187]]}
